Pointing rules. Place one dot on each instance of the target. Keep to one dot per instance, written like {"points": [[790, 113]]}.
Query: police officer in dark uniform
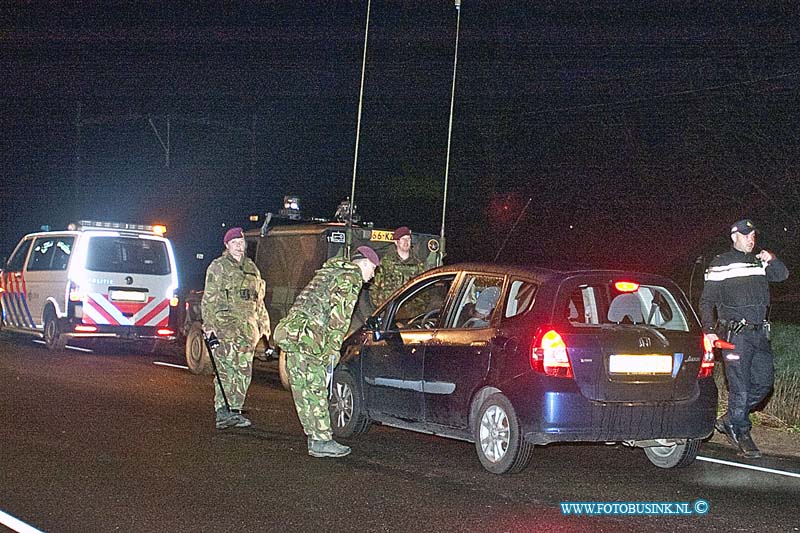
{"points": [[737, 287]]}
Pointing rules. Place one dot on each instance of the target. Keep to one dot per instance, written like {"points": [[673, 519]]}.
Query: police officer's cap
{"points": [[744, 226]]}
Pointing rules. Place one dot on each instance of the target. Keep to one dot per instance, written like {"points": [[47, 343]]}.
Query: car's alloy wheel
{"points": [[494, 434], [499, 443], [674, 456], [347, 412]]}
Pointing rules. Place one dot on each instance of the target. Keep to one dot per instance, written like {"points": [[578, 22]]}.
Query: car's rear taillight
{"points": [[707, 365], [549, 355]]}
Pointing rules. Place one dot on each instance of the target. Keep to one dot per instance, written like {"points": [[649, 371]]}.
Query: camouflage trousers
{"points": [[234, 359], [307, 379]]}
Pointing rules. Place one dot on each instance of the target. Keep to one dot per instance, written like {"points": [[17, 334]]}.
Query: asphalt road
{"points": [[110, 441]]}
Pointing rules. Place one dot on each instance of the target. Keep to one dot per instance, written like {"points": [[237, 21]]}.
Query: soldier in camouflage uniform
{"points": [[311, 334], [233, 309], [397, 266]]}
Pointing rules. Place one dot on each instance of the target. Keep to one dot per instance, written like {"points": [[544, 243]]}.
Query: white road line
{"points": [[16, 525], [161, 363], [68, 347], [749, 467], [78, 349]]}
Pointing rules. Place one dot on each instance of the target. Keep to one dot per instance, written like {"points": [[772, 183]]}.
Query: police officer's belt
{"points": [[738, 324]]}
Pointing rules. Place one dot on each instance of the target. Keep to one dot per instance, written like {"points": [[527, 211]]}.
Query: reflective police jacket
{"points": [[737, 285]]}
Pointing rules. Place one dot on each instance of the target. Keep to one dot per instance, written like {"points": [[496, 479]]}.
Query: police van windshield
{"points": [[128, 255]]}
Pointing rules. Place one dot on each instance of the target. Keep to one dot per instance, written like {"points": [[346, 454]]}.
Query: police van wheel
{"points": [[197, 358], [282, 372], [52, 333], [676, 456]]}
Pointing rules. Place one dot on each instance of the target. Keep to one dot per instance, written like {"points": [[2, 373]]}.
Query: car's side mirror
{"points": [[374, 323]]}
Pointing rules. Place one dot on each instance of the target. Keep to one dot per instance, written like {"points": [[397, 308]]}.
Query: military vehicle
{"points": [[288, 250]]}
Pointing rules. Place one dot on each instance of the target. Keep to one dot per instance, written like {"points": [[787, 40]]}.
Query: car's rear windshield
{"points": [[128, 255], [625, 303]]}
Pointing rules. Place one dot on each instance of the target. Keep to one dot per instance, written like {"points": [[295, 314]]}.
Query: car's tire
{"points": [[499, 443], [197, 357], [282, 372], [348, 416], [676, 456], [52, 331]]}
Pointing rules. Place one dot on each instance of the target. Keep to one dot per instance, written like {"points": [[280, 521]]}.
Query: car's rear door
{"points": [[630, 338]]}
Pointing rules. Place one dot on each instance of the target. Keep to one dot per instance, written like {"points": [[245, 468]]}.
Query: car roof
{"points": [[541, 273]]}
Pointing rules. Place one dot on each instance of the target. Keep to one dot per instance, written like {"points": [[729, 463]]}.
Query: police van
{"points": [[96, 279]]}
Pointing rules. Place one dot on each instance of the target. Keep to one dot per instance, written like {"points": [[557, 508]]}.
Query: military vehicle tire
{"points": [[284, 374], [197, 358]]}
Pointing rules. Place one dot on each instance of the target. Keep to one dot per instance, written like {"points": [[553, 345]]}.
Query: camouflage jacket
{"points": [[393, 273], [320, 316], [234, 296]]}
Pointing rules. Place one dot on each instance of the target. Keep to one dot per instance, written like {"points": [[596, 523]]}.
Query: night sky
{"points": [[639, 131]]}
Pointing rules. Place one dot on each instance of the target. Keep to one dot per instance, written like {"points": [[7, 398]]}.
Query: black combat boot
{"points": [[724, 426], [747, 446]]}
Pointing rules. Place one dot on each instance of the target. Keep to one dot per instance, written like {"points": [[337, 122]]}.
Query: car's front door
{"points": [[457, 360], [392, 360]]}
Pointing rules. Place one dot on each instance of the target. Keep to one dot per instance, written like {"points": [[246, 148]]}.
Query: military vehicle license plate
{"points": [[381, 235]]}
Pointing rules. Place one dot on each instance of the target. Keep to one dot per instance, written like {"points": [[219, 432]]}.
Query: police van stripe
{"points": [[11, 301], [95, 314], [152, 314], [111, 314], [25, 302], [735, 270], [17, 305]]}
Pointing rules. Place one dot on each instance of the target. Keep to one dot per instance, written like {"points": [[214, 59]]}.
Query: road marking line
{"points": [[750, 467], [170, 364], [68, 347], [78, 349], [16, 525]]}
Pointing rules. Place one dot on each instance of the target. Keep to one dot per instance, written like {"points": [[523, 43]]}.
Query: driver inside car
{"points": [[484, 306]]}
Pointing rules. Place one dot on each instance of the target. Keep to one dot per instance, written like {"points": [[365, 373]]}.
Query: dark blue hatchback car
{"points": [[510, 358]]}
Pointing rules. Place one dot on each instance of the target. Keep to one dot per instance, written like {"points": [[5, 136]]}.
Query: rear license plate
{"points": [[127, 296], [640, 364]]}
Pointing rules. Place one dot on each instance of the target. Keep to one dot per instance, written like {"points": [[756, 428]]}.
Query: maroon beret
{"points": [[233, 233]]}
